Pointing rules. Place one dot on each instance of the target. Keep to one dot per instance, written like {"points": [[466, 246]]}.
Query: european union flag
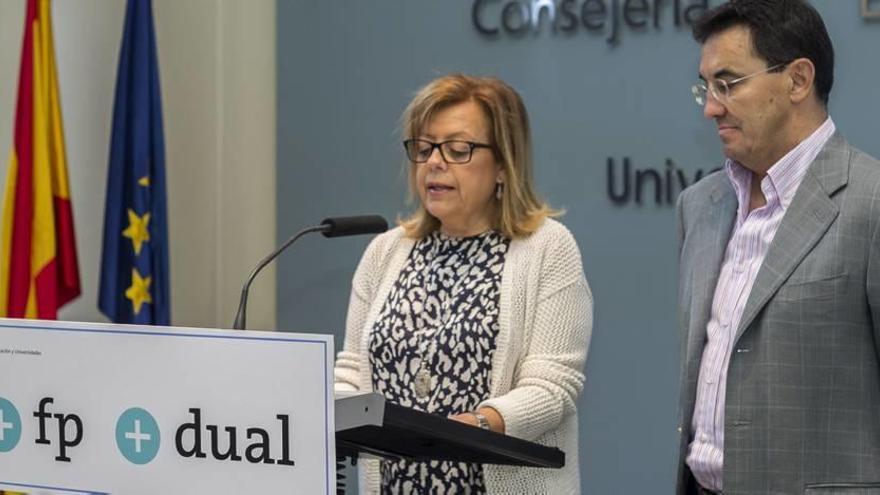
{"points": [[134, 266]]}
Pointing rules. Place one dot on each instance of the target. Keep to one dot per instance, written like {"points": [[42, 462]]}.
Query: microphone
{"points": [[342, 226], [330, 227]]}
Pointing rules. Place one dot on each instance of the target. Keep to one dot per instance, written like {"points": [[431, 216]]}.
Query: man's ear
{"points": [[802, 75]]}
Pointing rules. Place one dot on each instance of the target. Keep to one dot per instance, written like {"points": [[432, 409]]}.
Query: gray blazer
{"points": [[802, 412]]}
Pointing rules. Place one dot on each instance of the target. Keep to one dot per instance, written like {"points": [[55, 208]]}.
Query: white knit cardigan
{"points": [[545, 322]]}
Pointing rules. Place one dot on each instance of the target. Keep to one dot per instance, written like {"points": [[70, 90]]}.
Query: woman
{"points": [[476, 306]]}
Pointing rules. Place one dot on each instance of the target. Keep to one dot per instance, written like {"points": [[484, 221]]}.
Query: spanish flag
{"points": [[38, 263]]}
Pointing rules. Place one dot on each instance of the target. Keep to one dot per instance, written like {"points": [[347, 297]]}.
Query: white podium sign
{"points": [[93, 408]]}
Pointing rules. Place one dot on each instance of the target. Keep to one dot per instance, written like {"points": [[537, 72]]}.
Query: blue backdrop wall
{"points": [[605, 96]]}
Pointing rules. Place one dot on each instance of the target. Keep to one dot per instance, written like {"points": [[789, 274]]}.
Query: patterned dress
{"points": [[432, 344]]}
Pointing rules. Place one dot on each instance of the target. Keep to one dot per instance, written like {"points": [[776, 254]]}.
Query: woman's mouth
{"points": [[436, 189]]}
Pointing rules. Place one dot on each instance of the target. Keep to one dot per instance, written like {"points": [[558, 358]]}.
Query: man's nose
{"points": [[713, 108]]}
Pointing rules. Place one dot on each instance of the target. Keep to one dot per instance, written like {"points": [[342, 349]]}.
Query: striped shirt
{"points": [[750, 240]]}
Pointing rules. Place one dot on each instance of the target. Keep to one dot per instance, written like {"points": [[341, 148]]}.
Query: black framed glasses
{"points": [[720, 89], [452, 151]]}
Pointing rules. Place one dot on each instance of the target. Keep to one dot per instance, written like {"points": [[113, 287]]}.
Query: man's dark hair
{"points": [[782, 31]]}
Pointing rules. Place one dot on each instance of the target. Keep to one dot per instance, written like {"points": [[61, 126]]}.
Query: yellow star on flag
{"points": [[139, 292], [137, 230], [144, 181]]}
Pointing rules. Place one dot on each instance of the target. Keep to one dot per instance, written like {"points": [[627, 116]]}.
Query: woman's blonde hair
{"points": [[521, 211]]}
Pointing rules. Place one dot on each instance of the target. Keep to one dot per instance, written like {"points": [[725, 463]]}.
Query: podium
{"points": [[104, 408], [367, 424]]}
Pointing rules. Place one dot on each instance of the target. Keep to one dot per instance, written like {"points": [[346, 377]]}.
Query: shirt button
{"points": [[704, 437]]}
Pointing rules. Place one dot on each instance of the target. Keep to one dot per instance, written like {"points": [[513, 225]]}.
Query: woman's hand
{"points": [[496, 422]]}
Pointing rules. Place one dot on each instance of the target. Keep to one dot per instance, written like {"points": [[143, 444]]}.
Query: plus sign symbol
{"points": [[137, 436], [10, 426]]}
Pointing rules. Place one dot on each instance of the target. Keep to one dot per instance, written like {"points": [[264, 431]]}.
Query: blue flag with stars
{"points": [[134, 262]]}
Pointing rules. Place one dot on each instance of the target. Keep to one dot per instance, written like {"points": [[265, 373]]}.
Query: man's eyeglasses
{"points": [[453, 151], [720, 89]]}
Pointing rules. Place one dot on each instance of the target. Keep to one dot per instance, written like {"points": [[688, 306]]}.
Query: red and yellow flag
{"points": [[38, 263]]}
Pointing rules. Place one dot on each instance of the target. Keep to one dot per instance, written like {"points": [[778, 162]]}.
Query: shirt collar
{"points": [[783, 178]]}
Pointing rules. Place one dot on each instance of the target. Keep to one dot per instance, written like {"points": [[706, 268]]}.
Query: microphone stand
{"points": [[240, 316]]}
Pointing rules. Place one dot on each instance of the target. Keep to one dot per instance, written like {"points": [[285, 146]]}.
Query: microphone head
{"points": [[363, 224]]}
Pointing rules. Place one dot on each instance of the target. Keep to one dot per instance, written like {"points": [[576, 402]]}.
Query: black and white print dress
{"points": [[431, 346]]}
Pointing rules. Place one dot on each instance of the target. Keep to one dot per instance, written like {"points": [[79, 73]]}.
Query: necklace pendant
{"points": [[422, 383]]}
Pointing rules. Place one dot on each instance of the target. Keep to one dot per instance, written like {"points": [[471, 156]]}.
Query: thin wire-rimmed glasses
{"points": [[720, 89], [452, 151]]}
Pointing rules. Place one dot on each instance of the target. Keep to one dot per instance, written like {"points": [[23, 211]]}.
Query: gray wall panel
{"points": [[347, 69]]}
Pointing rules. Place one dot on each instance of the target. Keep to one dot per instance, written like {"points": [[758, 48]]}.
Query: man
{"points": [[780, 270]]}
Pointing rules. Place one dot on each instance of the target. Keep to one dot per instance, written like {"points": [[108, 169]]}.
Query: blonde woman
{"points": [[476, 307]]}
